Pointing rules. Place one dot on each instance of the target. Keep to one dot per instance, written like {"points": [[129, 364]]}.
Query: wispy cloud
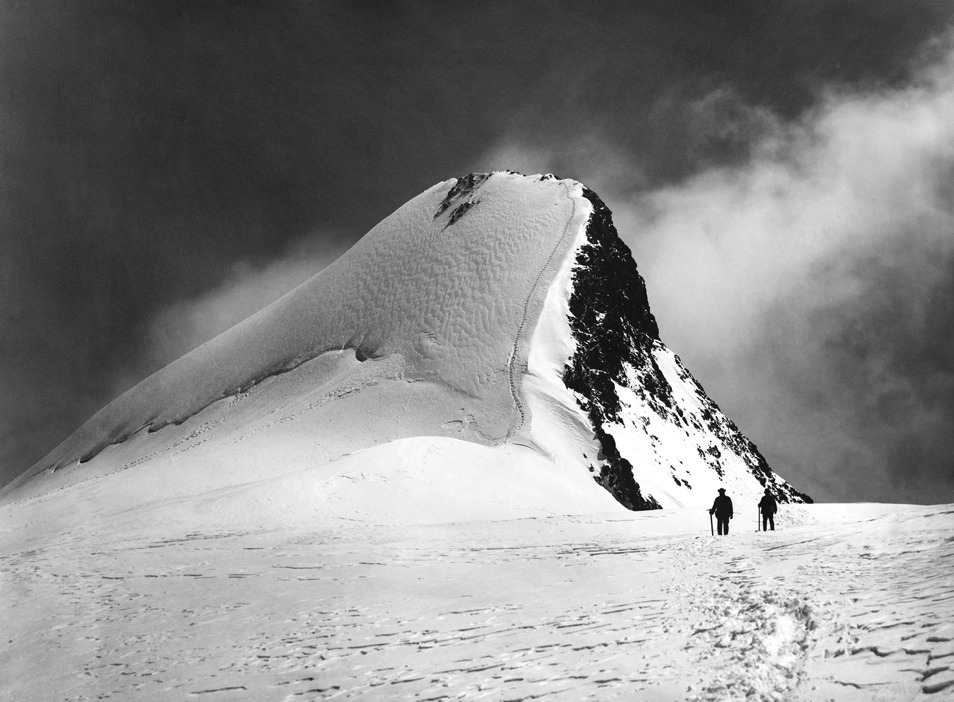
{"points": [[247, 288], [810, 286]]}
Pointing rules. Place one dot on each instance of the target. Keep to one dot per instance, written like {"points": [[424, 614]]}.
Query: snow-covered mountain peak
{"points": [[499, 310]]}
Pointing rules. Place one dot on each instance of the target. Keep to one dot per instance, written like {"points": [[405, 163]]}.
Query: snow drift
{"points": [[489, 343]]}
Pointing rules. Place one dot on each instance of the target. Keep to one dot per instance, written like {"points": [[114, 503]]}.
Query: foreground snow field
{"points": [[843, 602]]}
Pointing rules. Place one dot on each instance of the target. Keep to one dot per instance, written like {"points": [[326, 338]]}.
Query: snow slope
{"points": [[203, 598], [496, 310]]}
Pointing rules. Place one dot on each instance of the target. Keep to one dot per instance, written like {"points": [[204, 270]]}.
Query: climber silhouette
{"points": [[722, 509], [768, 507]]}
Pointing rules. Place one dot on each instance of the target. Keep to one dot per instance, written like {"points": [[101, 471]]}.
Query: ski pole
{"points": [[758, 520]]}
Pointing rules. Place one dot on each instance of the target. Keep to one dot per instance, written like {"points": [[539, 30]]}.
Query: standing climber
{"points": [[768, 507], [722, 509]]}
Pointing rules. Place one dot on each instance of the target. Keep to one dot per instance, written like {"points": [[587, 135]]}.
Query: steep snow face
{"points": [[422, 328], [496, 310], [664, 442]]}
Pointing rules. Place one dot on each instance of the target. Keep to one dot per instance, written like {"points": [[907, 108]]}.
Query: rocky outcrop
{"points": [[612, 326], [618, 346]]}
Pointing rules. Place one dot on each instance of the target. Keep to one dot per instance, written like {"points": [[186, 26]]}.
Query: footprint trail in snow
{"points": [[842, 602]]}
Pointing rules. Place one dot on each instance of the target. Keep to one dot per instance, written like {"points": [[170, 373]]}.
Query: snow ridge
{"points": [[511, 362], [426, 323]]}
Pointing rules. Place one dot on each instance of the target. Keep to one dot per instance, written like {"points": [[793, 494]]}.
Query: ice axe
{"points": [[711, 529]]}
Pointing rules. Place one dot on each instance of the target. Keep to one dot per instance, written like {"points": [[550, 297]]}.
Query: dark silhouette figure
{"points": [[722, 509], [768, 507]]}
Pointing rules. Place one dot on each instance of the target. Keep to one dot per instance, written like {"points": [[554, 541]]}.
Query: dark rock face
{"points": [[462, 193], [712, 420], [617, 345], [612, 325]]}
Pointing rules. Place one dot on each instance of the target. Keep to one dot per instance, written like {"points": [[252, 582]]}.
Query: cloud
{"points": [[809, 284], [247, 288]]}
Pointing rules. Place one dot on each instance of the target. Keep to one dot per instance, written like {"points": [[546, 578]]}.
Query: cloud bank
{"points": [[811, 286]]}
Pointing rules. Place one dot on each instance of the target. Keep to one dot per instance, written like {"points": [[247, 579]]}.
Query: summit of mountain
{"points": [[487, 346]]}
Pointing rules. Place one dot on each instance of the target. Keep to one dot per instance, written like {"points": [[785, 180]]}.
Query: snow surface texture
{"points": [[187, 600], [497, 309]]}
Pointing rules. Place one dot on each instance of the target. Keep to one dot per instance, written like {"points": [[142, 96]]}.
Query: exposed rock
{"points": [[617, 347]]}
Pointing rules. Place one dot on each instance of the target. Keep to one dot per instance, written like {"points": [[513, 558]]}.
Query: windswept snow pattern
{"points": [[844, 603], [443, 294], [664, 442]]}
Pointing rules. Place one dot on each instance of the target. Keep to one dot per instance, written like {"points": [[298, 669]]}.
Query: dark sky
{"points": [[783, 171]]}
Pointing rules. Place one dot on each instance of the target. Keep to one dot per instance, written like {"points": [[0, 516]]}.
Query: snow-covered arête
{"points": [[489, 343]]}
